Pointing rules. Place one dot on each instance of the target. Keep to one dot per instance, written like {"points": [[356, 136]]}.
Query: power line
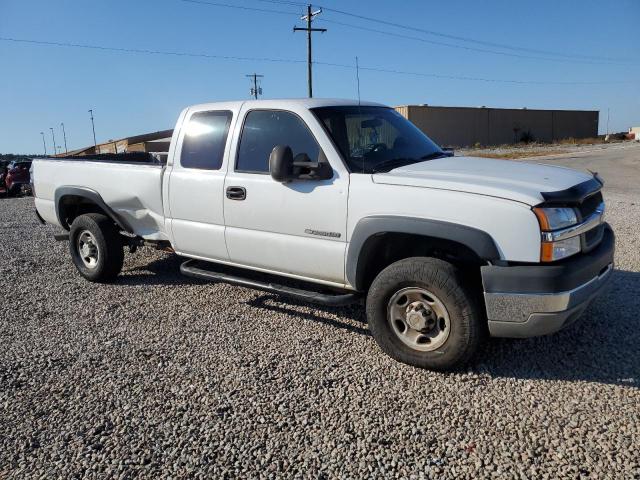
{"points": [[285, 2], [238, 7], [295, 61], [462, 39], [572, 58], [449, 36], [463, 47], [149, 52], [479, 79]]}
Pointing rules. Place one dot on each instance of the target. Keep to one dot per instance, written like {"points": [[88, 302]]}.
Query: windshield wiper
{"points": [[433, 155], [392, 163], [388, 165]]}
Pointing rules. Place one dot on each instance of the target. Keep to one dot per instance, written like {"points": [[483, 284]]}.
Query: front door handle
{"points": [[236, 193]]}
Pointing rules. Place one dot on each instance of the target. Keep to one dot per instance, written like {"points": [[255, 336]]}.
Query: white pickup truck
{"points": [[353, 202]]}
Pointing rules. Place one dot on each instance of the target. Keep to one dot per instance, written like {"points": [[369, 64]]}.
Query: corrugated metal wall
{"points": [[462, 126]]}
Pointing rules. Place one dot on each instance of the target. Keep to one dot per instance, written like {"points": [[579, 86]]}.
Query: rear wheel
{"points": [[421, 313], [96, 247]]}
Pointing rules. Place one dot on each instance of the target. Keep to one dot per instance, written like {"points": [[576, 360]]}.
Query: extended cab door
{"points": [[196, 183], [296, 228]]}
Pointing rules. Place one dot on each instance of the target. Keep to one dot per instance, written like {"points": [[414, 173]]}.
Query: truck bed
{"points": [[131, 184], [137, 158]]}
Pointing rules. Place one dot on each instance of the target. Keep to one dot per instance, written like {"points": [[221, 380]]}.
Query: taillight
{"points": [[31, 182]]}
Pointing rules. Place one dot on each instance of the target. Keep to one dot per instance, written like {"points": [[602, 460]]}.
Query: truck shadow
{"points": [[162, 271], [602, 347], [337, 317]]}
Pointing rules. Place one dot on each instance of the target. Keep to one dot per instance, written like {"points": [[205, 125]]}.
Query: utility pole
{"points": [[607, 121], [255, 90], [64, 135], [309, 18], [44, 144], [95, 144], [53, 136]]}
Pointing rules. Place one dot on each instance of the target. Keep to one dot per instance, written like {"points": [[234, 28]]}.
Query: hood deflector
{"points": [[575, 194]]}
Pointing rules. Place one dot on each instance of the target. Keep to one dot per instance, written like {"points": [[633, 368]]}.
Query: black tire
{"points": [[104, 234], [445, 282]]}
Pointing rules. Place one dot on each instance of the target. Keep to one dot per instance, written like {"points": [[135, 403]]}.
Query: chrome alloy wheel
{"points": [[88, 249], [419, 319]]}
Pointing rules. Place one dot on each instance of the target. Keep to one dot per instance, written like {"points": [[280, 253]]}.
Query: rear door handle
{"points": [[236, 193]]}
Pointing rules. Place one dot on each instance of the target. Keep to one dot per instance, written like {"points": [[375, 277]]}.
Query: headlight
{"points": [[552, 218], [551, 251], [557, 218]]}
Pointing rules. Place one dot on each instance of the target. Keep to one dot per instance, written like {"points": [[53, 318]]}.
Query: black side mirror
{"points": [[281, 163], [284, 168], [305, 169]]}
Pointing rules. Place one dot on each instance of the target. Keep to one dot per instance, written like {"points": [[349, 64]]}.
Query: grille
{"points": [[592, 238], [589, 204]]}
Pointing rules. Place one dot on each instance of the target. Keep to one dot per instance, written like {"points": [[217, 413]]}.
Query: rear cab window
{"points": [[205, 139]]}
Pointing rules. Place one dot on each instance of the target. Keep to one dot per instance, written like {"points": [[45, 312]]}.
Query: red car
{"points": [[16, 177]]}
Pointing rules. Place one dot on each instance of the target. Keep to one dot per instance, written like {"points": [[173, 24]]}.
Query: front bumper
{"points": [[527, 301]]}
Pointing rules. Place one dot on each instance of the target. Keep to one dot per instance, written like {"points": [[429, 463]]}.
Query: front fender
{"points": [[480, 242]]}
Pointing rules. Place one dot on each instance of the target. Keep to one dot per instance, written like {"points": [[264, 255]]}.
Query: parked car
{"points": [[358, 204], [3, 174], [17, 177]]}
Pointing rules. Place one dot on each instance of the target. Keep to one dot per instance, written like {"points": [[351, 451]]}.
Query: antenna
{"points": [[358, 78], [359, 109]]}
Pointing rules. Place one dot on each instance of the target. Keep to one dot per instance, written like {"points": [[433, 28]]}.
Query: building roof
{"points": [[146, 137], [525, 109], [80, 151]]}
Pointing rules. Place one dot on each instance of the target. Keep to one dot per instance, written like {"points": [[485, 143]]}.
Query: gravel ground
{"points": [[539, 148], [159, 375]]}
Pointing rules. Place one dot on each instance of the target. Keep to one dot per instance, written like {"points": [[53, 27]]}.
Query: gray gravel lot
{"points": [[159, 375]]}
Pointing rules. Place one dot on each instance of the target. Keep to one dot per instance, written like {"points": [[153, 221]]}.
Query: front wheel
{"points": [[96, 247], [421, 313]]}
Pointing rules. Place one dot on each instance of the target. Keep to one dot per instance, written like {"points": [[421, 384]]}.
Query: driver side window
{"points": [[263, 130]]}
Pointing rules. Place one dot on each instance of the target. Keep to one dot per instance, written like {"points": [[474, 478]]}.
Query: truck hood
{"points": [[519, 181]]}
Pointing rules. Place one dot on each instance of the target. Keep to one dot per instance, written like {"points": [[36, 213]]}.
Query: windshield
{"points": [[376, 139]]}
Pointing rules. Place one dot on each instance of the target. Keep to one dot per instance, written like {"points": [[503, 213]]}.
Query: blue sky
{"points": [[130, 93]]}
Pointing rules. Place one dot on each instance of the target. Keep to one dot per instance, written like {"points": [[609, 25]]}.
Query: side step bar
{"points": [[190, 269]]}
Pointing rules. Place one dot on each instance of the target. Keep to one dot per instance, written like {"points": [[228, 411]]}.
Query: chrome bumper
{"points": [[531, 300], [528, 315]]}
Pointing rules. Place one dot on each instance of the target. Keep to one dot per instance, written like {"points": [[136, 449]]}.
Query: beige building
{"points": [[465, 126]]}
